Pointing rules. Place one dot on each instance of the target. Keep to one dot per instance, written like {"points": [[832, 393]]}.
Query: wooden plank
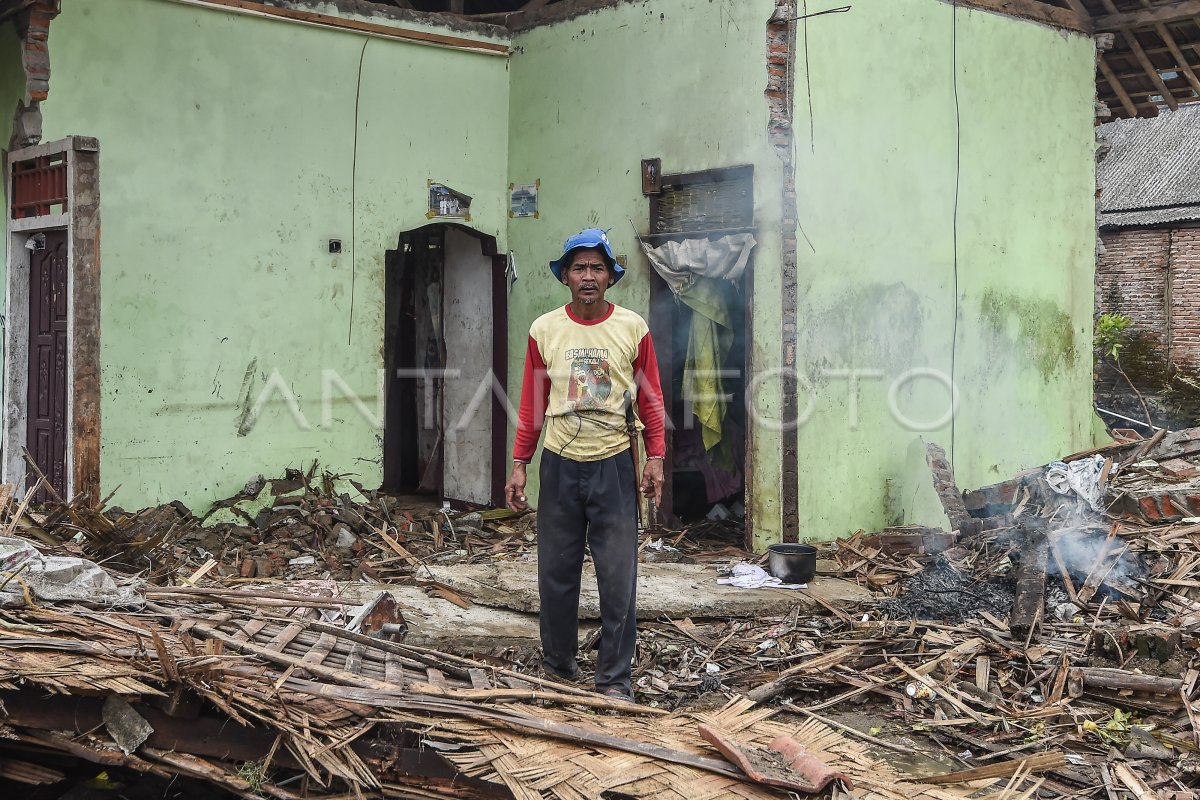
{"points": [[393, 670], [355, 658], [321, 650], [1170, 12], [479, 679], [1037, 763], [1031, 10], [1029, 600], [284, 637], [253, 627], [327, 21]]}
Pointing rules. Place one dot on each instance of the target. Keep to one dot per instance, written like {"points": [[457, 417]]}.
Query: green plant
{"points": [[1111, 335], [1115, 731], [255, 775]]}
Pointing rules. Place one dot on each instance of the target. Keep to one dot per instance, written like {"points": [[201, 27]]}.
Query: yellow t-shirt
{"points": [[589, 365]]}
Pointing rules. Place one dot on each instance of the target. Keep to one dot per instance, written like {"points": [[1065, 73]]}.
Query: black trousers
{"points": [[593, 502]]}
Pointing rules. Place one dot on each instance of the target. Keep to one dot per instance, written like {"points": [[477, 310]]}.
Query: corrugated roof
{"points": [[1151, 174]]}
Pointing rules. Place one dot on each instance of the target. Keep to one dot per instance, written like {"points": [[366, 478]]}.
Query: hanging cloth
{"points": [[693, 269]]}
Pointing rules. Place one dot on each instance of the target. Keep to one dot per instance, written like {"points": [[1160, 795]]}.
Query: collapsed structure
{"points": [[325, 227], [1047, 644]]}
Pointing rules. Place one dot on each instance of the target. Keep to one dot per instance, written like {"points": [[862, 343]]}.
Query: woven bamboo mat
{"points": [[534, 768], [321, 691]]}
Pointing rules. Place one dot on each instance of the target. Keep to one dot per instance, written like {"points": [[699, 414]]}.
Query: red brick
{"points": [[1149, 509]]}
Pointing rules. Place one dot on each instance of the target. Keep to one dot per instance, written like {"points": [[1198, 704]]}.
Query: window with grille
{"points": [[712, 201], [39, 186]]}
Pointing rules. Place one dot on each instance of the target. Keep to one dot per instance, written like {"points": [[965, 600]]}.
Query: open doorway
{"points": [[701, 229], [445, 350], [51, 362]]}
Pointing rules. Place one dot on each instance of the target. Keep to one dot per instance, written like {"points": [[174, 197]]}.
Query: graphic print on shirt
{"points": [[590, 383]]}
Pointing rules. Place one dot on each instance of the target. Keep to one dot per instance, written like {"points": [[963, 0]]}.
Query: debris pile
{"points": [[1049, 644]]}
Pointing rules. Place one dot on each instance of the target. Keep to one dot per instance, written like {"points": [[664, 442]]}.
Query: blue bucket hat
{"points": [[592, 237]]}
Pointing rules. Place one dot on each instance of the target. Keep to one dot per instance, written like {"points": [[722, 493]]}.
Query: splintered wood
{"points": [[335, 699], [1042, 649]]}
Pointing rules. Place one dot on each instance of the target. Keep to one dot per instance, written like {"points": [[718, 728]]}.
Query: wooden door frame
{"points": [[662, 323], [81, 221]]}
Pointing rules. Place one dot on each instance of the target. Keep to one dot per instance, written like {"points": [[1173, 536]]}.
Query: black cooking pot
{"points": [[792, 563]]}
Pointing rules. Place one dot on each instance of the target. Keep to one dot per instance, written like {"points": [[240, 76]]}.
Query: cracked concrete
{"points": [[506, 600]]}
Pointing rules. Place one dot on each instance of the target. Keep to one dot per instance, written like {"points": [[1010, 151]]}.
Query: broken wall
{"points": [[1152, 275], [232, 148], [945, 182], [12, 89], [590, 97]]}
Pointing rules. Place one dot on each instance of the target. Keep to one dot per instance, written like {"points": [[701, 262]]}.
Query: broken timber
{"points": [[1029, 603]]}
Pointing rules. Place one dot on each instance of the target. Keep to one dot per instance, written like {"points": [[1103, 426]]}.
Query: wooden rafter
{"points": [[1151, 71], [1122, 95], [1171, 12], [1082, 12], [1031, 9], [1185, 69]]}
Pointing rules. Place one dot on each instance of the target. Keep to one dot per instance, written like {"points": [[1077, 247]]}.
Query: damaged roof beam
{"points": [[1033, 10], [1151, 71], [1171, 12]]}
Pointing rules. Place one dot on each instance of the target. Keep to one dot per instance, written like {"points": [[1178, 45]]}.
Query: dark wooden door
{"points": [[46, 429]]}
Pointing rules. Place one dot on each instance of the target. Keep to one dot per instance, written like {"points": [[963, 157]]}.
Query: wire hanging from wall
{"points": [[954, 222], [354, 188]]}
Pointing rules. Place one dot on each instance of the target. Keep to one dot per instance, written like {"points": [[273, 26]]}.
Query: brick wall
{"points": [[1185, 298], [1135, 274]]}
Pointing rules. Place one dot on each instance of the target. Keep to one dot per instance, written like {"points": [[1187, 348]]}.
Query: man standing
{"points": [[580, 361]]}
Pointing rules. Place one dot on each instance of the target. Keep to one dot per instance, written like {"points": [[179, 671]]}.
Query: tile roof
{"points": [[1151, 175]]}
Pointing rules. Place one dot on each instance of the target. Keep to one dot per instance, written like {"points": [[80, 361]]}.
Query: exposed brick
{"points": [[1153, 276], [1150, 509]]}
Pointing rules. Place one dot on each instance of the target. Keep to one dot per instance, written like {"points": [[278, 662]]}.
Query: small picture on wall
{"points": [[445, 202], [523, 199]]}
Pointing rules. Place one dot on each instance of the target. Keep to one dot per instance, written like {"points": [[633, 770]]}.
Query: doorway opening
{"points": [[446, 350], [52, 325], [700, 322]]}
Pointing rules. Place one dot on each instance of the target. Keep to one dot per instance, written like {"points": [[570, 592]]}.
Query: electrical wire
{"points": [[957, 187], [593, 420], [354, 187]]}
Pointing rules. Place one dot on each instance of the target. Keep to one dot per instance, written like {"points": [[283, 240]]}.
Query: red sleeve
{"points": [[535, 398], [649, 398]]}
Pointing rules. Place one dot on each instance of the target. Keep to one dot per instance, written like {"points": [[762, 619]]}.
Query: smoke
{"points": [[1078, 533]]}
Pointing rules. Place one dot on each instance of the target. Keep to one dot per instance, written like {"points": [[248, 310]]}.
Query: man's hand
{"points": [[652, 480], [514, 490]]}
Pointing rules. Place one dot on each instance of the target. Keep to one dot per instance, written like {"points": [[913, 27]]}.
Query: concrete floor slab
{"points": [[674, 590], [505, 598], [436, 622]]}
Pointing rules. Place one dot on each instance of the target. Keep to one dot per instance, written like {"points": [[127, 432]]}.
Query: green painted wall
{"points": [[875, 173], [228, 157], [590, 97], [212, 285]]}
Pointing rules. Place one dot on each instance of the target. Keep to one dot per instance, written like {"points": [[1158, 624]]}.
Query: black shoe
{"points": [[616, 693], [549, 673]]}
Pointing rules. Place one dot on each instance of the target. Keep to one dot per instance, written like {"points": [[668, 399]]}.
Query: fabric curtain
{"points": [[694, 269]]}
